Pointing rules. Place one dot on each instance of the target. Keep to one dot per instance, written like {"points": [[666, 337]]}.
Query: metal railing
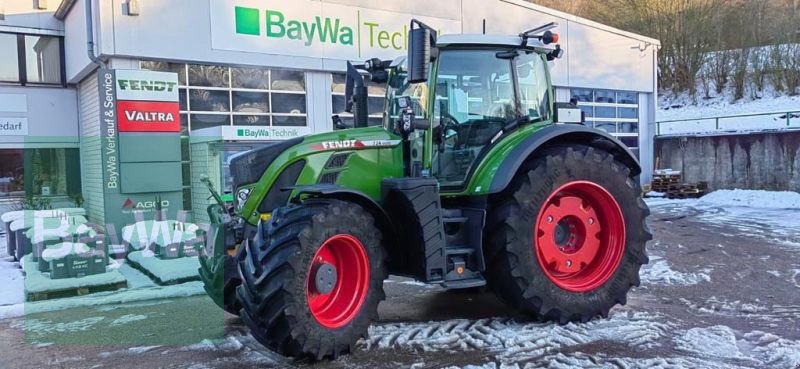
{"points": [[782, 120]]}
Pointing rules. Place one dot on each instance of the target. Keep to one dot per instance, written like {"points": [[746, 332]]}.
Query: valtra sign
{"points": [[146, 116], [147, 101]]}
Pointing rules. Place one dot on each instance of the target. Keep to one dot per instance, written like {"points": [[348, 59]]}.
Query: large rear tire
{"points": [[313, 278], [567, 238]]}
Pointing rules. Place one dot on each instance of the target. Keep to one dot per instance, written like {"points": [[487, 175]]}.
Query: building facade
{"points": [[263, 70]]}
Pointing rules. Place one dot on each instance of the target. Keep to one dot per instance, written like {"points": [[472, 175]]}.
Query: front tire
{"points": [[313, 278], [568, 237]]}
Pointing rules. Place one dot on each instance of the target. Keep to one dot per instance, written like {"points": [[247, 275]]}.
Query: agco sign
{"points": [[143, 205]]}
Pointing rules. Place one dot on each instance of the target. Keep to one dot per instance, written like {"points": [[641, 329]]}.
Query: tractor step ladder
{"points": [[449, 240], [463, 251]]}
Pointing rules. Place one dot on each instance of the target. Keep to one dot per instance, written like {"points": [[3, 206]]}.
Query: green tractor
{"points": [[477, 177]]}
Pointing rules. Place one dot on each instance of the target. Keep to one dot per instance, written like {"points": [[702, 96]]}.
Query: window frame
{"points": [[22, 61], [617, 121], [186, 88], [348, 117]]}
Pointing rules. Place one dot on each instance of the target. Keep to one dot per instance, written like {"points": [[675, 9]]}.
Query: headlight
{"points": [[241, 197]]}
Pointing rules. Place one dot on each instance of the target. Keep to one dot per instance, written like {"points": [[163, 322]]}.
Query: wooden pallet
{"points": [[663, 182], [687, 190], [72, 292]]}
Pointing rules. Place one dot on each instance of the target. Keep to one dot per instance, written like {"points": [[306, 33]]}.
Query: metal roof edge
{"points": [[584, 21]]}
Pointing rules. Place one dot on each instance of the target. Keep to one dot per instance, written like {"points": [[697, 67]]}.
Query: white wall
{"points": [[77, 62], [52, 117], [594, 58], [20, 13]]}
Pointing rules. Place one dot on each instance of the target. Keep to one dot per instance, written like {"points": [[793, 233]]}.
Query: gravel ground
{"points": [[721, 291]]}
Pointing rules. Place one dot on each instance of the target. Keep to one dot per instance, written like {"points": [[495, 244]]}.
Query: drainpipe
{"points": [[90, 35]]}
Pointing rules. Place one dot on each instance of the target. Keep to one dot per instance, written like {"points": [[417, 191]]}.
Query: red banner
{"points": [[145, 116]]}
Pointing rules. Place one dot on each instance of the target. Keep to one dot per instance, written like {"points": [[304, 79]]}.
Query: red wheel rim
{"points": [[579, 236], [340, 305]]}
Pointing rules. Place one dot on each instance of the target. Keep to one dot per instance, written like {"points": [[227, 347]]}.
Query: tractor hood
{"points": [[261, 176], [248, 167]]}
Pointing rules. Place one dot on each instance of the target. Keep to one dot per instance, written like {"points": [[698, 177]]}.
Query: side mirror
{"points": [[419, 51]]}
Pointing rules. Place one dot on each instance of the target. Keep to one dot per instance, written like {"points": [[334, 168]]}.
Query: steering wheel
{"points": [[446, 123]]}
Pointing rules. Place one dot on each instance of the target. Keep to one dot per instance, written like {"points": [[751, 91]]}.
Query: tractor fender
{"points": [[332, 191], [556, 135]]}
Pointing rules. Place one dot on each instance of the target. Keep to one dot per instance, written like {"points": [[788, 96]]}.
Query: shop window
{"points": [[289, 103], [9, 71], [251, 102], [210, 100], [43, 59], [250, 120], [31, 59], [250, 78], [200, 121], [209, 76], [213, 95], [375, 101], [186, 172], [616, 112], [287, 80], [39, 172], [161, 66]]}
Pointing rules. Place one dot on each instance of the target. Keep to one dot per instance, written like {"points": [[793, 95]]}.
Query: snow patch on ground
{"points": [[775, 351], [142, 349], [769, 214], [43, 326], [752, 199], [516, 342], [714, 305], [717, 341], [659, 272], [105, 298], [11, 280], [130, 318], [714, 347]]}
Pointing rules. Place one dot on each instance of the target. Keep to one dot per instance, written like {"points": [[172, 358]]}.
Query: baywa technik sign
{"points": [[314, 29]]}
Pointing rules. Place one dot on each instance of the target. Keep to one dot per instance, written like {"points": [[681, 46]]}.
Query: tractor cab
{"points": [[456, 95]]}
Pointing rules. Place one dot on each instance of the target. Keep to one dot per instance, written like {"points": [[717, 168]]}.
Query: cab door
{"points": [[475, 97]]}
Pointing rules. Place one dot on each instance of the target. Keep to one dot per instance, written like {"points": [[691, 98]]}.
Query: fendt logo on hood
{"points": [[353, 144], [143, 205]]}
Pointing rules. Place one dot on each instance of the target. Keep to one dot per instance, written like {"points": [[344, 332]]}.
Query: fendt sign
{"points": [[314, 29]]}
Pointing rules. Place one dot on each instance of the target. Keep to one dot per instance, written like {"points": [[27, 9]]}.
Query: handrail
{"points": [[789, 115]]}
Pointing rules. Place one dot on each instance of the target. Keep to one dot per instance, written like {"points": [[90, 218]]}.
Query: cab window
{"points": [[533, 91]]}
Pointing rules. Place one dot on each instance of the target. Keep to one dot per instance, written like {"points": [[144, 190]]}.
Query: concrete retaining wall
{"points": [[762, 161]]}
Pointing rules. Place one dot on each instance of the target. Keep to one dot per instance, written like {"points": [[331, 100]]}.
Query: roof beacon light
{"points": [[541, 33], [549, 38]]}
